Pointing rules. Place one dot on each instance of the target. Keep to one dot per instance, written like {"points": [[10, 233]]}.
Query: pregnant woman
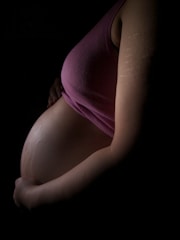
{"points": [[94, 109]]}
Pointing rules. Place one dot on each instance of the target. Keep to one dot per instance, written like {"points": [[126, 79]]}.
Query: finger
{"points": [[50, 102], [54, 92], [17, 181], [53, 95], [58, 88], [15, 201], [58, 92], [15, 196]]}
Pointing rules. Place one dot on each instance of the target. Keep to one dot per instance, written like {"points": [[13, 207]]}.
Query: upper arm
{"points": [[137, 48]]}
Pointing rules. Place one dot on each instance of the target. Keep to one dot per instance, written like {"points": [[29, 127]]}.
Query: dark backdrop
{"points": [[36, 39]]}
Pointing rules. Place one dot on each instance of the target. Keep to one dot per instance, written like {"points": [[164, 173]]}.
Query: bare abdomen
{"points": [[59, 140]]}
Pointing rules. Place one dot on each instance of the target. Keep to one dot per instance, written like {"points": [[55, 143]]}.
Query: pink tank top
{"points": [[89, 74]]}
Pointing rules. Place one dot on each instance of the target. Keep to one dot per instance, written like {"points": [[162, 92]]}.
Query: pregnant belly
{"points": [[58, 140]]}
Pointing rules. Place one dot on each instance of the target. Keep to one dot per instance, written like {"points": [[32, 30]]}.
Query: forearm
{"points": [[78, 178]]}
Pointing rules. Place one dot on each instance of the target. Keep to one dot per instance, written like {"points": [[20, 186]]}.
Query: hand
{"points": [[55, 92], [25, 193]]}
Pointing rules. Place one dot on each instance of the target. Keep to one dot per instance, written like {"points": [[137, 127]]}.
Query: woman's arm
{"points": [[137, 47], [68, 185]]}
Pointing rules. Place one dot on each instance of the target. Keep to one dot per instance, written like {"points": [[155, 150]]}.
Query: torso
{"points": [[61, 138], [89, 72]]}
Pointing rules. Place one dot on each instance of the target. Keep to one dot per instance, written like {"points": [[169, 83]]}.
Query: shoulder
{"points": [[138, 16], [136, 55], [138, 8]]}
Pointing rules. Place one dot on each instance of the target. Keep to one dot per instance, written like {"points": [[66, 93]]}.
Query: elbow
{"points": [[122, 146]]}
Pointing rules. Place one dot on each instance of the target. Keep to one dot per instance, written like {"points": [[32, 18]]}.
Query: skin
{"points": [[64, 152]]}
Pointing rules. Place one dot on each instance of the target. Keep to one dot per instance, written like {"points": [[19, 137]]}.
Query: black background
{"points": [[36, 38]]}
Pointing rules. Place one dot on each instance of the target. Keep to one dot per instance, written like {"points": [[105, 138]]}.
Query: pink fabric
{"points": [[89, 74]]}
